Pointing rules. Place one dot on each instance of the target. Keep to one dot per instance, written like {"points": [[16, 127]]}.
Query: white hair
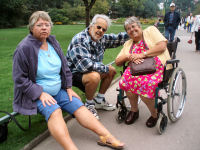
{"points": [[106, 18], [132, 20]]}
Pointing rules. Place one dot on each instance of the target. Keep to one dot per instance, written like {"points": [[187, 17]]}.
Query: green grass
{"points": [[9, 39]]}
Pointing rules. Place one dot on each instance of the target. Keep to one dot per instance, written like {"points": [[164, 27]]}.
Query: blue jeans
{"points": [[63, 102], [170, 33], [189, 27]]}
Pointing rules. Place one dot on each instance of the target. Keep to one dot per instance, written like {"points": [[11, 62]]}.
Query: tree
{"points": [[12, 13], [88, 6], [197, 9], [100, 7], [149, 9]]}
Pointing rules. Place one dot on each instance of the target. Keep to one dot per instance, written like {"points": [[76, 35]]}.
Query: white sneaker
{"points": [[91, 108], [104, 105]]}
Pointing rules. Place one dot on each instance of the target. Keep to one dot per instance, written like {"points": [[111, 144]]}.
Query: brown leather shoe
{"points": [[131, 117], [151, 122]]}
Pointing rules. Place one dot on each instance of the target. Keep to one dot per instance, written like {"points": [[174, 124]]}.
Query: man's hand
{"points": [[47, 99], [112, 69], [72, 93]]}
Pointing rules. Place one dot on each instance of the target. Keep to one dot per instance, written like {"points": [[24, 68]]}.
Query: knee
{"points": [[92, 78], [56, 113], [112, 72]]}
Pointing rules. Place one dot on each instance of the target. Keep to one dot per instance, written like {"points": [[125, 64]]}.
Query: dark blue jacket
{"points": [[175, 22], [25, 63]]}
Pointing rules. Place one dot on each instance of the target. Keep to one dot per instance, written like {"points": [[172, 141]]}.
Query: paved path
{"points": [[182, 135]]}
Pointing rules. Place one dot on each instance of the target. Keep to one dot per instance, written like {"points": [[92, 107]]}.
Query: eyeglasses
{"points": [[103, 29], [41, 25], [133, 26]]}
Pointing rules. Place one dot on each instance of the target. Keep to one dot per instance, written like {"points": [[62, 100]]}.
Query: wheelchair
{"points": [[174, 86]]}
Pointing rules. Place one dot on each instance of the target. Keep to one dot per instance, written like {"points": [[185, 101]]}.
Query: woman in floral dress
{"points": [[143, 43]]}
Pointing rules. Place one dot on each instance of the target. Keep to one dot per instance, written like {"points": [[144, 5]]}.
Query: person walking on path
{"points": [[171, 22], [85, 55], [190, 20], [196, 30]]}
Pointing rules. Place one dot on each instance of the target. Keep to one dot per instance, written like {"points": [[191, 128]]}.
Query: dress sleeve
{"points": [[125, 49], [152, 34]]}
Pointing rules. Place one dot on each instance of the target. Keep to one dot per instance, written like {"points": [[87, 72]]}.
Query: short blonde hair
{"points": [[36, 15]]}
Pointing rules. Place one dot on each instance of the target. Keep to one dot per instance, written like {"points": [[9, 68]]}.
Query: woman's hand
{"points": [[72, 93], [47, 99], [136, 58], [138, 61]]}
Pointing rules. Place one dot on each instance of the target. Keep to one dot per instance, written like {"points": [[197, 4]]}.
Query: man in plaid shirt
{"points": [[85, 55]]}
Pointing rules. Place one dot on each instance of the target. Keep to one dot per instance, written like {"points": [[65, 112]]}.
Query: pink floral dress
{"points": [[143, 85]]}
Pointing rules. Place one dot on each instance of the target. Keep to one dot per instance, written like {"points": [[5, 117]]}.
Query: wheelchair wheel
{"points": [[121, 115], [177, 94], [161, 123]]}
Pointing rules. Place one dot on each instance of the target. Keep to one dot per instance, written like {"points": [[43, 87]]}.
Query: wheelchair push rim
{"points": [[176, 94]]}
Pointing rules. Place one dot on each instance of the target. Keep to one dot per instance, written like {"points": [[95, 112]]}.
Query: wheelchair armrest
{"points": [[172, 61]]}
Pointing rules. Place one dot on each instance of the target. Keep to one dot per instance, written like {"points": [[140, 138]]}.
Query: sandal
{"points": [[104, 141], [151, 122]]}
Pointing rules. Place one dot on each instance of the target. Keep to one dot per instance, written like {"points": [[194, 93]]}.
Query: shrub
{"points": [[150, 21], [58, 23], [119, 20], [59, 15]]}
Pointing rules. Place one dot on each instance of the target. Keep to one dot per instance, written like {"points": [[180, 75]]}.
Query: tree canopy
{"points": [[16, 12]]}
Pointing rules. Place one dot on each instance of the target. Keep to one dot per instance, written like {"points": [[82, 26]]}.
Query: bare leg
{"points": [[87, 120], [150, 103], [133, 99], [91, 81], [106, 80], [59, 131]]}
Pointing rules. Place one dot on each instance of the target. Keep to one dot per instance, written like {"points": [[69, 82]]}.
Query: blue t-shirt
{"points": [[48, 72]]}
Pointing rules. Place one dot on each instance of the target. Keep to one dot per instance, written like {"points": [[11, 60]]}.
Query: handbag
{"points": [[190, 41], [148, 66]]}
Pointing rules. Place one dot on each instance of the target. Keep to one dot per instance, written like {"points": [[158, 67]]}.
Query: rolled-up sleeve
{"points": [[83, 62]]}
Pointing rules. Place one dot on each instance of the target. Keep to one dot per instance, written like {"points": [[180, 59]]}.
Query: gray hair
{"points": [[132, 20], [106, 18], [36, 15]]}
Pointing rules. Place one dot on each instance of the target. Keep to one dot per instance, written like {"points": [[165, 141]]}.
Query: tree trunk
{"points": [[87, 17], [88, 7]]}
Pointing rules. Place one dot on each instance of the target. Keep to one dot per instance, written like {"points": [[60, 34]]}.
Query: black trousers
{"points": [[197, 40]]}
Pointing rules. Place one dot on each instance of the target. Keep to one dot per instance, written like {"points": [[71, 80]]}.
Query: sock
{"points": [[99, 97], [90, 102]]}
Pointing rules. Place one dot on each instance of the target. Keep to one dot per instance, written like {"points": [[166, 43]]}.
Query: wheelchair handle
{"points": [[172, 61]]}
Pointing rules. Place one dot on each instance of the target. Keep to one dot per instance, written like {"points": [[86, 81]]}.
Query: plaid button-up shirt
{"points": [[85, 55]]}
